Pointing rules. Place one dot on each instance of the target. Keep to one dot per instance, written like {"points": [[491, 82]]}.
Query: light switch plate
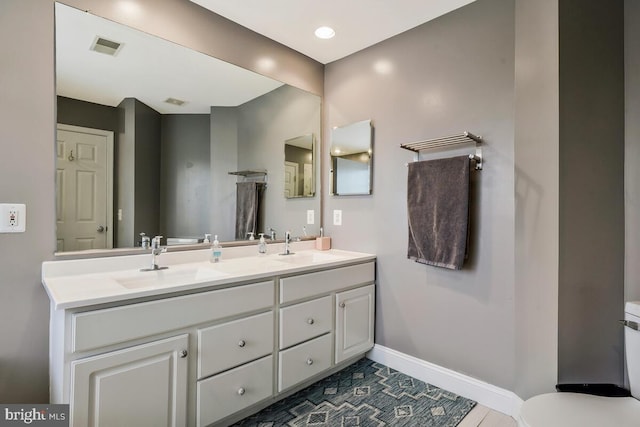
{"points": [[311, 217], [337, 217], [13, 218]]}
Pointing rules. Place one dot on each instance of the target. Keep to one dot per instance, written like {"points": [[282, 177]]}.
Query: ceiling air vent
{"points": [[106, 46], [175, 101]]}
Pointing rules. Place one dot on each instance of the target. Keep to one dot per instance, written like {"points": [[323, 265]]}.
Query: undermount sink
{"points": [[170, 276], [309, 257], [247, 265]]}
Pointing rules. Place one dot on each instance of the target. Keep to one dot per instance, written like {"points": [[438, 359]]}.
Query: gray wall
{"points": [[452, 74], [224, 159], [27, 120], [124, 171], [261, 137], [87, 114], [137, 178], [632, 150], [536, 195], [147, 172], [27, 123], [591, 279], [185, 177]]}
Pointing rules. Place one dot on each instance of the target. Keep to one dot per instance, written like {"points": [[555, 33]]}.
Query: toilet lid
{"points": [[579, 410]]}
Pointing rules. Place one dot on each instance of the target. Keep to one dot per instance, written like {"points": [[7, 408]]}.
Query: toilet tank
{"points": [[632, 345]]}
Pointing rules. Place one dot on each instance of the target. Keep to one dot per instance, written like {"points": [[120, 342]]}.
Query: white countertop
{"points": [[85, 282]]}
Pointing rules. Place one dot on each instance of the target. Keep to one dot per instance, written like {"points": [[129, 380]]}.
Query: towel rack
{"points": [[464, 138], [259, 173]]}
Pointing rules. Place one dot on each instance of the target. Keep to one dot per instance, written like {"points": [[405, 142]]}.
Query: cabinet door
{"points": [[145, 385], [354, 322]]}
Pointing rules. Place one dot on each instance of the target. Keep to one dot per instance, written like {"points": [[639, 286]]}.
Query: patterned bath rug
{"points": [[365, 394]]}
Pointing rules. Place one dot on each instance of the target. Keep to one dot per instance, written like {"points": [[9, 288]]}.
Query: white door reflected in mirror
{"points": [[298, 167]]}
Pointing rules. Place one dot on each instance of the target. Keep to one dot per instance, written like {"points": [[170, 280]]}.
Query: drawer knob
{"points": [[183, 353], [241, 391], [241, 343], [309, 361], [342, 305], [310, 320]]}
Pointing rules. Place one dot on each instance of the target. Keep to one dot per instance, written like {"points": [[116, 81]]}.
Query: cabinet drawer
{"points": [[231, 344], [304, 361], [308, 285], [304, 321], [232, 391], [109, 326]]}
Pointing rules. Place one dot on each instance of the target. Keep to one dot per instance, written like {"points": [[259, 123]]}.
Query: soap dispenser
{"points": [[216, 250], [262, 245]]}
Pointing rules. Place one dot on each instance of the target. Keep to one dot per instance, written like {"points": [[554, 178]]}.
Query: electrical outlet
{"points": [[13, 218], [310, 217], [337, 217]]}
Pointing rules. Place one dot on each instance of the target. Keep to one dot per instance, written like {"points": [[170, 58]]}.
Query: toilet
{"points": [[585, 410]]}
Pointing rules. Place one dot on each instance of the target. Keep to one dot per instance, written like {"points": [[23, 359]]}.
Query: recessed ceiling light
{"points": [[325, 33]]}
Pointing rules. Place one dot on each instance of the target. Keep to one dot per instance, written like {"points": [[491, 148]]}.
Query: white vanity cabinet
{"points": [[208, 355], [138, 364], [320, 312], [144, 385]]}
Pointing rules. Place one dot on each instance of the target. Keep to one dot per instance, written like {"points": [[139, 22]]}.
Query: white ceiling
{"points": [[358, 23], [146, 67]]}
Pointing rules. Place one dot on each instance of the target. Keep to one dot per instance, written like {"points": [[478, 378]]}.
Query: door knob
{"points": [[183, 354], [101, 229]]}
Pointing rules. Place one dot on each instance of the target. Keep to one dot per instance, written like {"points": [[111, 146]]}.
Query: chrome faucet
{"points": [[287, 242], [272, 233], [156, 250]]}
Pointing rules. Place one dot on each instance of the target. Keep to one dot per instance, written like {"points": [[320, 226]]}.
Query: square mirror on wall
{"points": [[352, 159]]}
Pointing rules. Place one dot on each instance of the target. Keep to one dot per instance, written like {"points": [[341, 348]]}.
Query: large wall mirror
{"points": [[352, 159], [152, 135]]}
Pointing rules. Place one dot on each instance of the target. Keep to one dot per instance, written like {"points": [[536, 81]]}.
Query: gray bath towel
{"points": [[248, 208], [438, 211]]}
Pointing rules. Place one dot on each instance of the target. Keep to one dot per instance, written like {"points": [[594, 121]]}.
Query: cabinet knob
{"points": [[183, 353], [241, 391], [343, 305], [241, 343], [310, 321], [309, 361]]}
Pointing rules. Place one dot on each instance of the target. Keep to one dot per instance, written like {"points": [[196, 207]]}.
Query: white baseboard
{"points": [[493, 397]]}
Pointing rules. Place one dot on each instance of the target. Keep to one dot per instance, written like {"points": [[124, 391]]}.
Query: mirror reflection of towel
{"points": [[248, 208], [438, 211]]}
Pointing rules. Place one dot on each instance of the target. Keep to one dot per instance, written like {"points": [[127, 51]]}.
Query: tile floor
{"points": [[481, 416]]}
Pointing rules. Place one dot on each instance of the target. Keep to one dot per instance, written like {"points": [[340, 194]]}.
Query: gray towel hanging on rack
{"points": [[438, 211], [248, 208]]}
